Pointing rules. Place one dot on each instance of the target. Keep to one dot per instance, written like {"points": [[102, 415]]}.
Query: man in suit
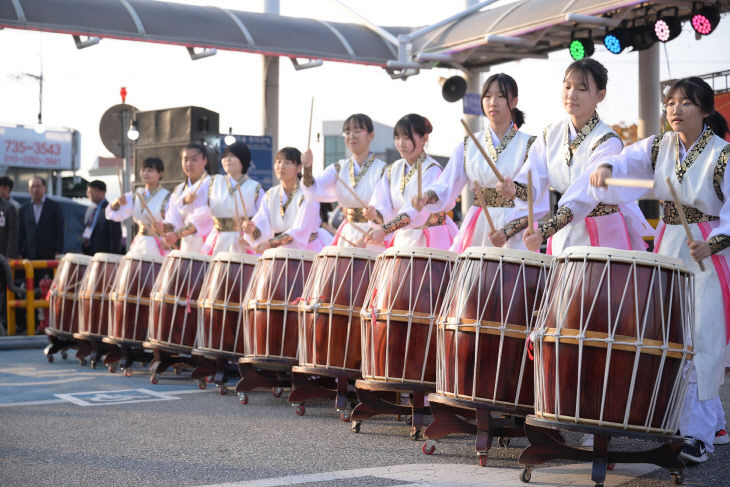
{"points": [[100, 234], [40, 235]]}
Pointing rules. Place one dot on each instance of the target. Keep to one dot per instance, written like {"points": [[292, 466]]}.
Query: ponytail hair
{"points": [[412, 123], [697, 91], [717, 123], [508, 87]]}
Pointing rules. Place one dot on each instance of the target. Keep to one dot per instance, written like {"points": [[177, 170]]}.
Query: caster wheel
{"points": [[127, 373], [503, 442], [202, 384], [355, 426], [415, 434], [49, 358], [112, 369], [276, 391], [345, 417], [677, 478], [242, 398], [82, 362], [154, 379], [610, 466], [483, 459], [429, 447], [93, 364], [223, 390], [525, 474], [64, 355], [299, 409]]}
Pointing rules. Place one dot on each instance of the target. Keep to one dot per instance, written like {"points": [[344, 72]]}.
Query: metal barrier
{"points": [[30, 303]]}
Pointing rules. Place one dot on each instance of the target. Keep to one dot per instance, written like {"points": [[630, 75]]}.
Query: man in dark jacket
{"points": [[40, 235], [100, 234], [8, 230]]}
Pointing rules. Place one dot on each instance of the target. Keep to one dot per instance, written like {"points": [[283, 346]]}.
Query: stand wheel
{"points": [[415, 434], [93, 364], [82, 362], [112, 369], [503, 442], [299, 409], [345, 416], [276, 391], [677, 478], [482, 459], [610, 466], [355, 426], [525, 474], [154, 379], [127, 373], [64, 355], [202, 384], [49, 357], [223, 390], [429, 447], [242, 398]]}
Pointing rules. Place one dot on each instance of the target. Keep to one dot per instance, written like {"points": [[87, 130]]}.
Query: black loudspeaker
{"points": [[164, 134], [453, 89]]}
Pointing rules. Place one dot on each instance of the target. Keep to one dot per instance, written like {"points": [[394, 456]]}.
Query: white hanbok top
{"points": [[196, 213], [297, 218], [146, 242], [363, 179], [224, 201], [698, 176], [392, 198], [466, 167]]}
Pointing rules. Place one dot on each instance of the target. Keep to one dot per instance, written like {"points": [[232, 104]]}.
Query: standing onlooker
{"points": [[6, 186], [8, 229], [100, 234], [40, 233]]}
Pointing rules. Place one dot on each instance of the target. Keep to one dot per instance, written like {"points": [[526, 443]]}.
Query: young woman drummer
{"points": [[233, 199], [694, 157], [188, 217], [506, 146], [361, 172], [391, 201], [562, 158], [285, 218], [146, 206]]}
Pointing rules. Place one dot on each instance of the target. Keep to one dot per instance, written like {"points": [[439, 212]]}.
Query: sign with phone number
{"points": [[22, 147]]}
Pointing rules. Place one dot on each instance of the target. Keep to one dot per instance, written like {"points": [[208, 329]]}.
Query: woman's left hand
{"points": [[533, 241], [377, 236], [699, 250]]}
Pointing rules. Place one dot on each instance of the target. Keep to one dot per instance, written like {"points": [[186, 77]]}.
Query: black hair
{"points": [[589, 67], [7, 182], [290, 154], [203, 151], [43, 181], [154, 163], [411, 123], [508, 87], [242, 152], [701, 94], [98, 184], [358, 120]]}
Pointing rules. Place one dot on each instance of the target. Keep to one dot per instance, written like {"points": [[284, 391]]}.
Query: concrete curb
{"points": [[18, 342]]}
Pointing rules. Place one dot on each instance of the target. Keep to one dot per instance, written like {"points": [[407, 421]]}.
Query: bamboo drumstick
{"points": [[630, 183], [530, 214], [243, 203], [152, 217], [309, 134], [484, 153], [121, 183], [360, 230], [420, 178], [682, 218], [346, 240], [352, 191], [483, 205]]}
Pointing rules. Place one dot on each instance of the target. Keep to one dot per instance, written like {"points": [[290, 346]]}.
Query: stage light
{"points": [[581, 48], [667, 27], [705, 20], [642, 37], [616, 40]]}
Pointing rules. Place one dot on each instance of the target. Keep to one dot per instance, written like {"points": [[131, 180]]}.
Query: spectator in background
{"points": [[40, 235], [8, 230], [100, 234], [6, 186]]}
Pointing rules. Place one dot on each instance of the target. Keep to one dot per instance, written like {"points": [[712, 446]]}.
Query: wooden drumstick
{"points": [[530, 215], [682, 218], [346, 240], [352, 191], [152, 217], [630, 183], [484, 153], [483, 205], [309, 134], [360, 230], [420, 178], [243, 203], [121, 183]]}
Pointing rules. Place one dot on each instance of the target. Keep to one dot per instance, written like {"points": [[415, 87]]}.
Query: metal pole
{"points": [[271, 90], [127, 153], [473, 85], [649, 112]]}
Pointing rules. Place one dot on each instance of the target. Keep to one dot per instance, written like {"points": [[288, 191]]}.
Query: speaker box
{"points": [[164, 134]]}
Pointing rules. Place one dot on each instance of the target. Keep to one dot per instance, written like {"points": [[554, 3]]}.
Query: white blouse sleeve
{"points": [[262, 222], [419, 218], [634, 161], [123, 212], [449, 184], [305, 224], [537, 163], [381, 200], [324, 187]]}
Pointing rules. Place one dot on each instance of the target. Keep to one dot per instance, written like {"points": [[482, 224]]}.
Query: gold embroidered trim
{"points": [[603, 209], [355, 178], [693, 215], [337, 167], [520, 191], [719, 173], [530, 141], [719, 242], [571, 147], [466, 144], [307, 177], [545, 132], [281, 239], [494, 153], [692, 155], [560, 219], [356, 215], [400, 221], [515, 226], [604, 138], [163, 207], [225, 224], [146, 231], [289, 197], [493, 199], [411, 172], [655, 149], [435, 219], [232, 189]]}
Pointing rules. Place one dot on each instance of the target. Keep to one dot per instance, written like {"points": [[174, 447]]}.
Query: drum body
{"points": [[130, 297], [329, 331], [220, 312], [173, 319], [484, 323], [399, 316], [612, 338], [65, 292], [271, 328], [95, 290]]}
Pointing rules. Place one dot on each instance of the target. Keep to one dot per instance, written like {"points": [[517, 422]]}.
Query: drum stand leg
{"points": [[220, 368], [113, 357], [306, 386], [373, 404], [58, 344], [84, 350], [163, 360], [253, 377], [130, 354]]}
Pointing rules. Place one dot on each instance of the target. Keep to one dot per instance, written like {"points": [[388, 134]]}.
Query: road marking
{"points": [[464, 475], [44, 382], [56, 401], [106, 398]]}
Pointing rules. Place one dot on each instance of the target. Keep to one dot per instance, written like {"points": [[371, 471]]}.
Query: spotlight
{"points": [[642, 37], [133, 132], [705, 20], [667, 27], [230, 138], [581, 48], [616, 40]]}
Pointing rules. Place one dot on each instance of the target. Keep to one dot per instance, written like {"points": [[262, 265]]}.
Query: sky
{"points": [[81, 84]]}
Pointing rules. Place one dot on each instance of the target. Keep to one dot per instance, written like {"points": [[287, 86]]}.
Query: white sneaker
{"points": [[721, 438]]}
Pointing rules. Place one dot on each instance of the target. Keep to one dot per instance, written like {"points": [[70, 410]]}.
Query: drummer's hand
{"points": [[189, 198], [263, 247], [248, 226], [361, 242], [307, 158], [159, 227], [419, 204], [699, 249], [371, 213], [377, 236], [121, 201], [598, 177], [243, 243], [533, 241], [498, 238], [170, 238], [506, 189]]}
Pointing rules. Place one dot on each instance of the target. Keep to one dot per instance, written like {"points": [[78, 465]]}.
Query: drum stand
{"points": [[91, 346], [164, 357], [545, 446], [259, 372], [60, 341], [125, 353], [220, 366], [450, 415], [372, 403], [323, 383]]}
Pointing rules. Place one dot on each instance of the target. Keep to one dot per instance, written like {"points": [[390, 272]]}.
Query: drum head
{"points": [[236, 257], [155, 259], [356, 252], [181, 254], [104, 257], [79, 259], [625, 256], [421, 252], [284, 253], [508, 255]]}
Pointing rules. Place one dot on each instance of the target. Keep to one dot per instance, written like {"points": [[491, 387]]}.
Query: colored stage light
{"points": [[581, 48], [667, 28], [616, 41], [642, 37], [705, 20]]}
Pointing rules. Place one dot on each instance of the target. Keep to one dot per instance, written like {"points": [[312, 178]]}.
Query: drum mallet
{"points": [[682, 218]]}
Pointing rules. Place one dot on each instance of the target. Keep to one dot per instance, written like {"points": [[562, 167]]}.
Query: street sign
{"points": [[472, 104], [22, 147]]}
